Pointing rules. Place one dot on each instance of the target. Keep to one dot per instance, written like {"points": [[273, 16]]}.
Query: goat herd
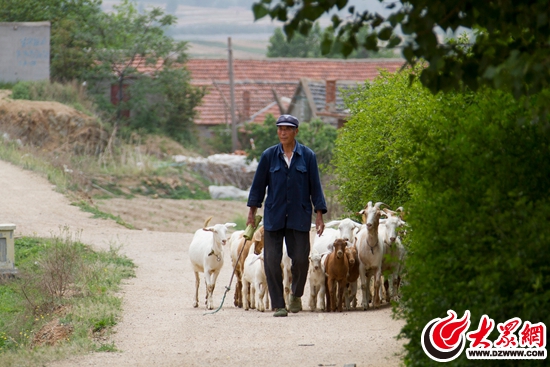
{"points": [[339, 258]]}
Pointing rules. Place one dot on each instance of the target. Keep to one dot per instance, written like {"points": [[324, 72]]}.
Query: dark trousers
{"points": [[297, 244]]}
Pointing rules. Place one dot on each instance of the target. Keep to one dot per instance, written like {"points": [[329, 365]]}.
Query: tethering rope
{"points": [[228, 287]]}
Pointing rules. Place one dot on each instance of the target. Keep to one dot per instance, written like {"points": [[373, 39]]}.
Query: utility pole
{"points": [[232, 93]]}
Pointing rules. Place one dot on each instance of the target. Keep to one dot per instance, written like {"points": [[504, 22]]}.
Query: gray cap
{"points": [[287, 120]]}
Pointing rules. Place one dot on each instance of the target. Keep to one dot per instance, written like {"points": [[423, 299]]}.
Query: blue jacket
{"points": [[292, 191]]}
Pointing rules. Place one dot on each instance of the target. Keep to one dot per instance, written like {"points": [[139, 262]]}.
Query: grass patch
{"points": [[7, 85], [99, 214], [72, 94], [240, 221], [62, 302], [28, 158]]}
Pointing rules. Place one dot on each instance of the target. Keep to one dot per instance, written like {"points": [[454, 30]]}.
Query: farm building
{"points": [[279, 85], [307, 88]]}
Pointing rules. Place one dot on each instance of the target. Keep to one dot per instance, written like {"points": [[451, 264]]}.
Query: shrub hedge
{"points": [[472, 171]]}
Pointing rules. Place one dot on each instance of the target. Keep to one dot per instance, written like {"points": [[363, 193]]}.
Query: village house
{"points": [[306, 88]]}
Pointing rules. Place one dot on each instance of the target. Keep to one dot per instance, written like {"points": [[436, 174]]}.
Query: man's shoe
{"points": [[280, 312], [295, 304]]}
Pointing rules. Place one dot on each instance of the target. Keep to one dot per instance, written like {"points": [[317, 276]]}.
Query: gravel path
{"points": [[159, 326]]}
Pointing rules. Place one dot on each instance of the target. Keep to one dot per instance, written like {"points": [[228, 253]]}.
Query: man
{"points": [[289, 170]]}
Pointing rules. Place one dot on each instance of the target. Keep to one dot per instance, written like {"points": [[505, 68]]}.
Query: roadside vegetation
{"points": [[470, 169], [63, 300]]}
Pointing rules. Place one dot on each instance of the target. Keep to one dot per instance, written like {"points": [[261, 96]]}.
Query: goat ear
{"points": [[333, 223], [208, 229], [362, 211], [227, 225], [257, 236]]}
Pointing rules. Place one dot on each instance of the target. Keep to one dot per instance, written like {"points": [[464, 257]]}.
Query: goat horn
{"points": [[378, 204], [401, 212], [206, 222]]}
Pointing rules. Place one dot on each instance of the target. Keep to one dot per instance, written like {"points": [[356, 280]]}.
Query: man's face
{"points": [[286, 134]]}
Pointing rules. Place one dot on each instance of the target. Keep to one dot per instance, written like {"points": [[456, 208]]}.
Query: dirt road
{"points": [[160, 327]]}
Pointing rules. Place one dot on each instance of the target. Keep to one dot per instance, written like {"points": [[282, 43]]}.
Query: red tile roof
{"points": [[215, 109], [282, 69], [259, 77], [271, 109]]}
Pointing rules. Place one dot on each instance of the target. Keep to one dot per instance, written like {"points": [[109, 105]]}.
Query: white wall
{"points": [[24, 51]]}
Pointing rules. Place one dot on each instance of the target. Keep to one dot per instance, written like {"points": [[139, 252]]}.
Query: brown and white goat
{"points": [[238, 262], [336, 270], [353, 276]]}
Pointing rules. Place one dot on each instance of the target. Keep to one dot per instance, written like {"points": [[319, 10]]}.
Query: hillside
{"points": [[139, 194]]}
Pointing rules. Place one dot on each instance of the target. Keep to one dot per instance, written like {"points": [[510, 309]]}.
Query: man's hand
{"points": [[319, 224], [251, 220]]}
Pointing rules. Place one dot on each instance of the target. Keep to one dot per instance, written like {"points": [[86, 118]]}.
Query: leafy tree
{"points": [[508, 51], [298, 46], [164, 102], [320, 137], [264, 136], [72, 22], [310, 45], [158, 94]]}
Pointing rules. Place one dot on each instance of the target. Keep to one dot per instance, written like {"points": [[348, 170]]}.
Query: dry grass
{"points": [[52, 333]]}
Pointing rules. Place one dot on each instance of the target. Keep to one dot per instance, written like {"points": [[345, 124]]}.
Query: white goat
{"points": [[286, 266], [324, 243], [394, 252], [370, 250], [316, 277], [234, 241], [254, 278], [206, 255], [347, 228]]}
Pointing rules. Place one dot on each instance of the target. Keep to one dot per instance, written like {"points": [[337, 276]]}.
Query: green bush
{"points": [[372, 147], [471, 170], [21, 90], [264, 136], [70, 93], [479, 209]]}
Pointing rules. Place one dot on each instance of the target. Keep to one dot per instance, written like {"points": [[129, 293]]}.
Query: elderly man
{"points": [[289, 170]]}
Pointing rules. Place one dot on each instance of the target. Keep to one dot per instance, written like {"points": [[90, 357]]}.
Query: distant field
{"points": [[217, 47], [207, 28]]}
